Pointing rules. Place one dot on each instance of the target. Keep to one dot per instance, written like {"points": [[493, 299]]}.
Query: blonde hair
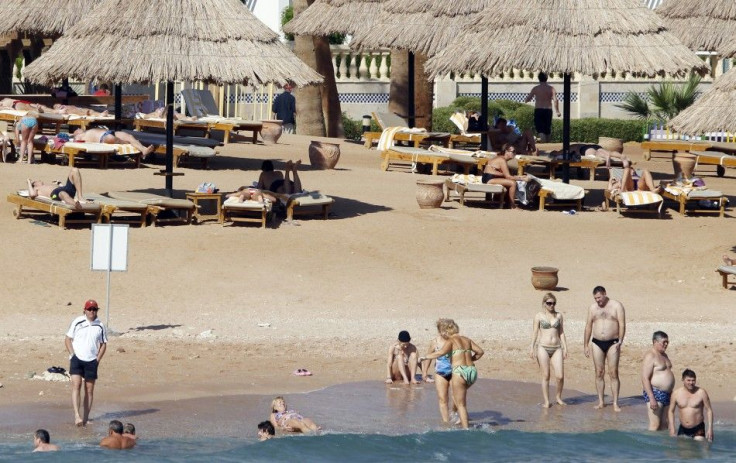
{"points": [[273, 403], [447, 327], [548, 297]]}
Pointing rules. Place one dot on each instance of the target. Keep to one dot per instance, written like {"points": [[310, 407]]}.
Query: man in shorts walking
{"points": [[86, 341]]}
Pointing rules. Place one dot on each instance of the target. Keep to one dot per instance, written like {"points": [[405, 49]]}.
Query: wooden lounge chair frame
{"points": [[563, 203], [621, 207], [234, 214], [426, 157], [715, 158], [682, 200], [294, 206], [553, 164], [414, 138], [461, 190], [726, 275], [27, 207]]}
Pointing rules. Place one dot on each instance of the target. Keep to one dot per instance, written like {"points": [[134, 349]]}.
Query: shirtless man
{"points": [[657, 380], [111, 137], [129, 431], [544, 96], [607, 325], [71, 193], [524, 143], [402, 360], [693, 401], [41, 442], [115, 439], [78, 111]]}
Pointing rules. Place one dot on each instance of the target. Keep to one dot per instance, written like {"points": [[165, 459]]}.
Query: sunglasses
{"points": [[91, 310], [550, 303]]}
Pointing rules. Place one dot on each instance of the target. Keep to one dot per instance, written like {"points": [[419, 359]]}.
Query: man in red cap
{"points": [[86, 341]]}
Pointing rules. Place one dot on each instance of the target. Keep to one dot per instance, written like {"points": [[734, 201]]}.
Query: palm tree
{"points": [[667, 100]]}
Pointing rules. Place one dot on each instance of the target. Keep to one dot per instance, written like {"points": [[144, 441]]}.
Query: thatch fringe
{"points": [[218, 41], [702, 26], [48, 18], [325, 17], [591, 37], [714, 111]]}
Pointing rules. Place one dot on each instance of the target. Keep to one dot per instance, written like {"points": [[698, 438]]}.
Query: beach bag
{"points": [[526, 192], [206, 187]]}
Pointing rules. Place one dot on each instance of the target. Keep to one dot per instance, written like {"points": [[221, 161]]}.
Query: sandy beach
{"points": [[209, 311]]}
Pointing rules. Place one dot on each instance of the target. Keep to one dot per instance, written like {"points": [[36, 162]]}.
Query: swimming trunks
{"points": [[87, 370], [583, 148], [487, 177], [276, 184], [695, 431], [28, 122], [69, 188], [543, 120], [660, 396], [105, 134], [467, 372], [551, 350], [544, 324], [604, 345]]}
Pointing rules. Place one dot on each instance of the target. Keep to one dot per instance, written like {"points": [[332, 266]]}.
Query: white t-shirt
{"points": [[87, 337]]}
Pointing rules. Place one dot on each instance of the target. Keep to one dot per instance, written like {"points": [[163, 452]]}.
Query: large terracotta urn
{"points": [[544, 277], [323, 155], [684, 164], [430, 193], [271, 131]]}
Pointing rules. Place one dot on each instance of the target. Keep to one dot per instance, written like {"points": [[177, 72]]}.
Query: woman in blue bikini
{"points": [[463, 353], [25, 130], [549, 346], [443, 370]]}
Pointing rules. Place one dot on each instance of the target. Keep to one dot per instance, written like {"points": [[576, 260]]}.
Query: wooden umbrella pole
{"points": [[566, 129], [118, 105], [411, 111], [169, 138]]}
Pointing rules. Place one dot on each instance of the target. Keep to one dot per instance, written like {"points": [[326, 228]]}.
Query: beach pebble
{"points": [[264, 325], [40, 393], [206, 334], [1, 385], [120, 350]]}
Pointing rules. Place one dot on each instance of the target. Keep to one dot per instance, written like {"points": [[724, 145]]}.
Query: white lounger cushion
{"points": [[151, 199], [232, 203]]}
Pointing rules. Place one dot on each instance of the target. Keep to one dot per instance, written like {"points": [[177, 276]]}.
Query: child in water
{"points": [[290, 420]]}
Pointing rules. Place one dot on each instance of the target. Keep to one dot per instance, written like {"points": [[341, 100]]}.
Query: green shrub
{"points": [[466, 103], [354, 129], [589, 129], [441, 119]]}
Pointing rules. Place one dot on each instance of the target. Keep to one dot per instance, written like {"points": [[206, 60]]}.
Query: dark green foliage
{"points": [[589, 129], [288, 14], [664, 101], [441, 119], [354, 129]]}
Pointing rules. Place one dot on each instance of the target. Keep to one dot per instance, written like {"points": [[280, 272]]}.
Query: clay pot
{"points": [[323, 155], [684, 163], [544, 277], [430, 193], [271, 131], [611, 144]]}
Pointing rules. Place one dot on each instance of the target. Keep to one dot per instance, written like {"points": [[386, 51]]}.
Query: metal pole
{"points": [[109, 269], [118, 105], [566, 129], [169, 138], [484, 113], [411, 112]]}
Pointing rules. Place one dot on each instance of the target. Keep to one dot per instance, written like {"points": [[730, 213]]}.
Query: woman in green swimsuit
{"points": [[549, 346], [463, 353]]}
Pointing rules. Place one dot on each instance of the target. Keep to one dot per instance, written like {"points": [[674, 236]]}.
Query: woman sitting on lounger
{"points": [[276, 182], [633, 180], [497, 172]]}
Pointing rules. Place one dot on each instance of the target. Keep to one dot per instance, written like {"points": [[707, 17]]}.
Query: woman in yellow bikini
{"points": [[463, 353], [549, 346]]}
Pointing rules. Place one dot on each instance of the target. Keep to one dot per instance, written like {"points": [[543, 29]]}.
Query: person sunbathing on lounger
{"points": [[583, 149], [497, 172], [78, 111], [524, 143], [22, 105], [276, 182], [71, 193], [160, 113], [111, 137], [246, 193], [633, 180]]}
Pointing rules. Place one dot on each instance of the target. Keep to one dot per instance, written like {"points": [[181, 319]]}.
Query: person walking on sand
{"points": [[443, 370], [657, 380], [606, 323], [549, 347], [70, 193], [115, 439], [86, 341], [402, 360], [545, 97], [463, 353], [284, 106], [42, 442], [693, 402], [290, 420]]}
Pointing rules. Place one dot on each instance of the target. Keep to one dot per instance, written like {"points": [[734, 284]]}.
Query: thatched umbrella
{"points": [[46, 18], [592, 37], [702, 26], [326, 17], [715, 110], [216, 41]]}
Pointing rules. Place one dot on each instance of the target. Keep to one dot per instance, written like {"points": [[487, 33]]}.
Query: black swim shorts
{"points": [[87, 370]]}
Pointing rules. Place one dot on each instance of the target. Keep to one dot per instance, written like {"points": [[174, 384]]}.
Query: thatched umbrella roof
{"points": [[421, 27], [325, 17], [217, 41], [591, 37], [702, 26], [48, 18], [714, 111]]}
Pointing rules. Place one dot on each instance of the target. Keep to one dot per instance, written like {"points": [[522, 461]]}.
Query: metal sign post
{"points": [[109, 254]]}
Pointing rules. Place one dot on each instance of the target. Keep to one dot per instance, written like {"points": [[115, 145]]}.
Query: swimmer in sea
{"points": [[290, 420]]}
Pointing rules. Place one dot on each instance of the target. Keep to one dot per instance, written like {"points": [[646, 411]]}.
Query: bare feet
{"points": [[561, 402], [546, 405], [289, 164], [297, 163], [78, 422], [616, 408], [148, 151], [599, 406], [728, 261]]}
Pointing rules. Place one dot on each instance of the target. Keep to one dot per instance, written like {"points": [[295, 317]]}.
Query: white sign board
{"points": [[109, 247]]}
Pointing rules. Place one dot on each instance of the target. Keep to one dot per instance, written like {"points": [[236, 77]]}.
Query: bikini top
{"points": [[544, 324], [456, 351]]}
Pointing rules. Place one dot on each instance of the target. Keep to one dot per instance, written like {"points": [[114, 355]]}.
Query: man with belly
{"points": [[657, 380], [604, 334], [696, 414]]}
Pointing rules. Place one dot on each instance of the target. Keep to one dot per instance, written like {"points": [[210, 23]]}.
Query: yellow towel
{"points": [[125, 149], [640, 198]]}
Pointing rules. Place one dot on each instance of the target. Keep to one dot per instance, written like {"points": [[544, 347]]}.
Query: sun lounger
{"points": [[118, 210], [85, 122], [672, 146], [247, 211], [306, 202], [159, 124], [558, 194], [181, 208], [202, 104], [635, 201], [715, 158], [97, 154], [185, 148], [408, 134], [464, 138], [727, 271], [463, 184], [39, 206], [552, 164], [693, 196]]}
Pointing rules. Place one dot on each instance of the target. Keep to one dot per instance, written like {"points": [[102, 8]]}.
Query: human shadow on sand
{"points": [[126, 414], [153, 327]]}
